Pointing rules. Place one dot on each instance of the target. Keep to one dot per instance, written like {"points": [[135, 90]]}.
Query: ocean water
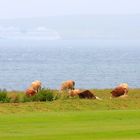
{"points": [[89, 64]]}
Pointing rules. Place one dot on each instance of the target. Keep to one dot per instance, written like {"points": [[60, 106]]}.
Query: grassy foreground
{"points": [[85, 125], [132, 102], [73, 119]]}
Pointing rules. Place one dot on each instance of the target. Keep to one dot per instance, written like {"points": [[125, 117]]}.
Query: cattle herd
{"points": [[69, 86]]}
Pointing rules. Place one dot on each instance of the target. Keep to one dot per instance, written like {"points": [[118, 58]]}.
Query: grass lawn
{"points": [[73, 119], [80, 125]]}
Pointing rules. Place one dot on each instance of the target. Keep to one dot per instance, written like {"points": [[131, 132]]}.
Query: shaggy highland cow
{"points": [[36, 85], [34, 88], [124, 85], [86, 94], [119, 91], [68, 85], [83, 94], [30, 92]]}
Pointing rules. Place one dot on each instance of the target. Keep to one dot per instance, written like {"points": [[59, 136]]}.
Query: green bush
{"points": [[3, 95], [13, 98], [26, 98], [62, 95], [44, 95]]}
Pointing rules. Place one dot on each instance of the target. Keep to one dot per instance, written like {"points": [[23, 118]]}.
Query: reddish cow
{"points": [[119, 91], [30, 92], [68, 85], [86, 94]]}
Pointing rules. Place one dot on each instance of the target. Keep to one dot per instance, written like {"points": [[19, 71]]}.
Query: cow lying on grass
{"points": [[120, 91], [86, 94]]}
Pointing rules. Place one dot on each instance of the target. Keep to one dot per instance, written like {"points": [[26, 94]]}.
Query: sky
{"points": [[44, 8], [97, 27]]}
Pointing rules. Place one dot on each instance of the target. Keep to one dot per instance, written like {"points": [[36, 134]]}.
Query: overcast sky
{"points": [[44, 8]]}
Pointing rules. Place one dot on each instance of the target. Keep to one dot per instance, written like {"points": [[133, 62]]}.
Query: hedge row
{"points": [[43, 96]]}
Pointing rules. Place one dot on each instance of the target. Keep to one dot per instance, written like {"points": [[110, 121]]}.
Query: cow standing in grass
{"points": [[34, 88], [36, 85], [30, 91], [68, 85]]}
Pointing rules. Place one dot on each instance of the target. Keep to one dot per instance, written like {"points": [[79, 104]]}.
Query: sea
{"points": [[91, 64]]}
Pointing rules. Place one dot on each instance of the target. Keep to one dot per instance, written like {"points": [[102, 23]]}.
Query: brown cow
{"points": [[68, 85], [30, 92], [86, 94], [34, 88], [119, 91], [36, 85], [83, 94], [125, 86]]}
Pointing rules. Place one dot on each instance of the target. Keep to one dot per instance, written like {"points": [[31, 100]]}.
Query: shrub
{"points": [[3, 95], [26, 98], [44, 95], [13, 98], [62, 95], [57, 95], [49, 96]]}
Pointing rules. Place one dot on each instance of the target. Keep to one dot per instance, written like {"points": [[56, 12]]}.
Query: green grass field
{"points": [[73, 119], [84, 125]]}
